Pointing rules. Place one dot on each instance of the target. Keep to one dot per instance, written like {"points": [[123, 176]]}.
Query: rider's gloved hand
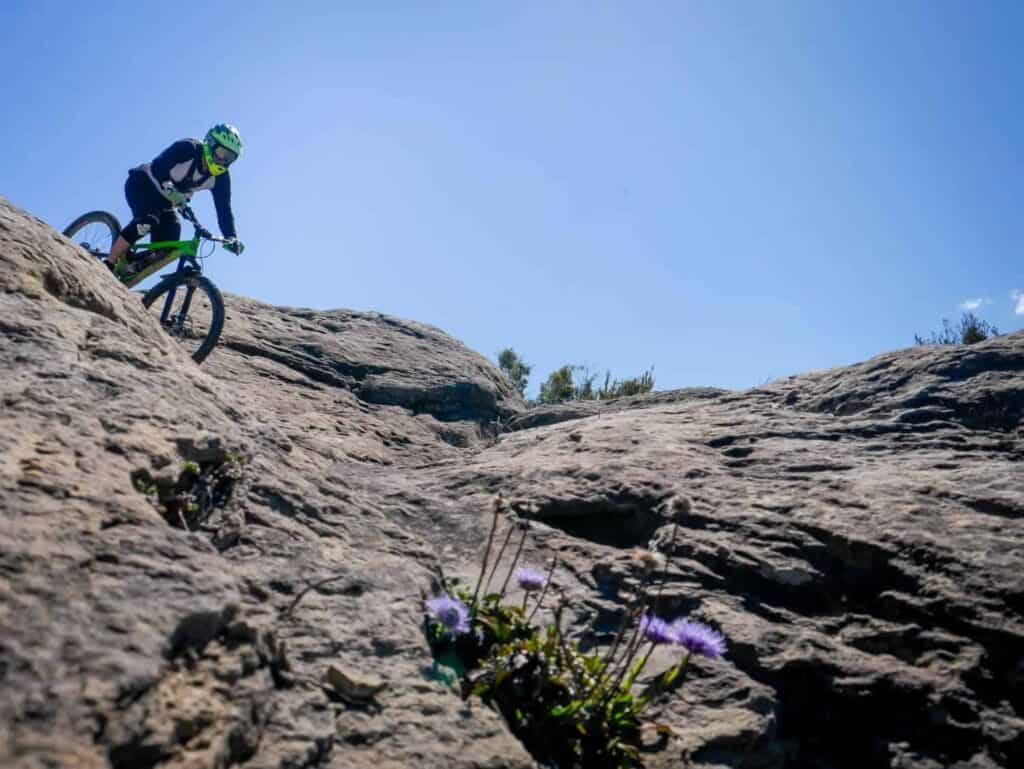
{"points": [[177, 199], [235, 246]]}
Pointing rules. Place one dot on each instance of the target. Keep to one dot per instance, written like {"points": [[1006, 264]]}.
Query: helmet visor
{"points": [[223, 156]]}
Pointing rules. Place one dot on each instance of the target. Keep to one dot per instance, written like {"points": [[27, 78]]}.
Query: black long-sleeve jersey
{"points": [[180, 170]]}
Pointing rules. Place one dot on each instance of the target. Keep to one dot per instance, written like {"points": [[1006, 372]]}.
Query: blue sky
{"points": [[729, 191]]}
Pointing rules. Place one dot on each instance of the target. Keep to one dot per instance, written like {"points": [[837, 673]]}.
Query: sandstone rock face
{"points": [[186, 553]]}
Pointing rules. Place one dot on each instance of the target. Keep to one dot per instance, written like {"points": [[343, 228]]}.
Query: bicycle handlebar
{"points": [[205, 234]]}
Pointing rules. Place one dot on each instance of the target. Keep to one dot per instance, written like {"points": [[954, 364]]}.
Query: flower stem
{"points": [[640, 667], [512, 566], [544, 592], [632, 646], [499, 505], [501, 552], [631, 610], [634, 643], [668, 562], [627, 661], [684, 668], [569, 661]]}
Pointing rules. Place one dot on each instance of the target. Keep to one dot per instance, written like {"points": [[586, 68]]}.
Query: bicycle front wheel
{"points": [[95, 231], [190, 308]]}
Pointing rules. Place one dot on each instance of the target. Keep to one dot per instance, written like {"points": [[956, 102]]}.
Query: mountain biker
{"points": [[154, 190]]}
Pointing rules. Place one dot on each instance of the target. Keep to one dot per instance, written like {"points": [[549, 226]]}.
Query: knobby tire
{"points": [[94, 217], [201, 283]]}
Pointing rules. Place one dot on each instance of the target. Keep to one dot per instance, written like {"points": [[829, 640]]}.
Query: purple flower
{"points": [[698, 638], [656, 630], [451, 613], [531, 580]]}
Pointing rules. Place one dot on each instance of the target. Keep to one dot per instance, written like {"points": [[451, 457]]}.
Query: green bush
{"points": [[620, 389], [970, 331], [559, 386], [515, 367], [576, 383]]}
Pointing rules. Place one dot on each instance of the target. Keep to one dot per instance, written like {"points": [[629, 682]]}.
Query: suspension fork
{"points": [[183, 313], [179, 320]]}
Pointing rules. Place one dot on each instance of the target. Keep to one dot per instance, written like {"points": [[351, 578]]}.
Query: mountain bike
{"points": [[199, 317]]}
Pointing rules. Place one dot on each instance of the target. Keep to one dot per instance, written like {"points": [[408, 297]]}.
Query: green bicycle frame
{"points": [[186, 250]]}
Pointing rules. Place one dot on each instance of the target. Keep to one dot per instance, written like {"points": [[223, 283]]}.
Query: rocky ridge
{"points": [[186, 552]]}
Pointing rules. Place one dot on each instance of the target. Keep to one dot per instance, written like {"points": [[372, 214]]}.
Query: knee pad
{"points": [[140, 227]]}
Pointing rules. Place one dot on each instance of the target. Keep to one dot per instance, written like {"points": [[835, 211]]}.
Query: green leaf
{"points": [[672, 674], [625, 721], [560, 711], [444, 675], [633, 673], [630, 751]]}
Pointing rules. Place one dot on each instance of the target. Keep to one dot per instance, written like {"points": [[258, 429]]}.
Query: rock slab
{"points": [[187, 552]]}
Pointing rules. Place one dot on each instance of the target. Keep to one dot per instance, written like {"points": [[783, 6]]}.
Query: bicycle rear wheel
{"points": [[95, 231], [190, 308]]}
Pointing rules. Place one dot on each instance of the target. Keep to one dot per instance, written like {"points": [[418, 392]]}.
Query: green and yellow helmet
{"points": [[222, 147]]}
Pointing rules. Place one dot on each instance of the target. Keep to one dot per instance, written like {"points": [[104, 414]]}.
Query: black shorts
{"points": [[152, 213]]}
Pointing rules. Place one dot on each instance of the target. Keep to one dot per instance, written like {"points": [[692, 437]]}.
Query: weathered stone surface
{"points": [[857, 534], [109, 655]]}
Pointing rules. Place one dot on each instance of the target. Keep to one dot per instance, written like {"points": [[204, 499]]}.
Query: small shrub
{"points": [[620, 389], [568, 707], [185, 500], [576, 383], [970, 331]]}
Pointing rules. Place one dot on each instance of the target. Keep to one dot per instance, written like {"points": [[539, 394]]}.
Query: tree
{"points": [[971, 330], [558, 387], [515, 367]]}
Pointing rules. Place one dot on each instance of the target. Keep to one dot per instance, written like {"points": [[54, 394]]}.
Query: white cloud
{"points": [[1018, 297], [974, 304]]}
